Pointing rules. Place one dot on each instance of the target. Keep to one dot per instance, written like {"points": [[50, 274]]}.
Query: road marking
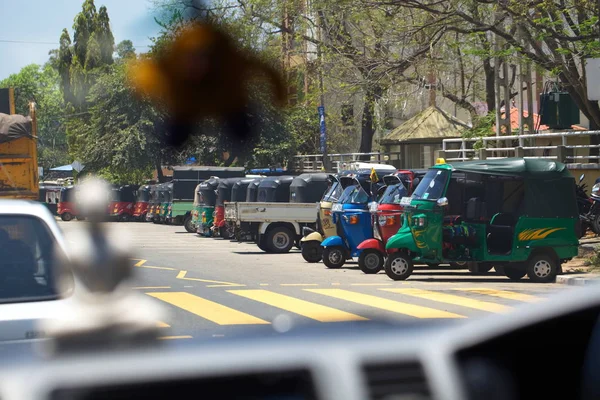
{"points": [[161, 324], [451, 299], [151, 287], [182, 275], [298, 284], [505, 294], [305, 308], [263, 284], [139, 263], [371, 284], [207, 309], [385, 304], [174, 337], [153, 267], [335, 284]]}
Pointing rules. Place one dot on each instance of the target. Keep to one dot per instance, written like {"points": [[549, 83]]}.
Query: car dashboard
{"points": [[536, 351]]}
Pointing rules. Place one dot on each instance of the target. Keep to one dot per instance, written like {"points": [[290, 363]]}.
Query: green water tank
{"points": [[558, 110]]}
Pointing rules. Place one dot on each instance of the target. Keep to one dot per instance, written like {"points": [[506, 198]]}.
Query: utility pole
{"points": [[322, 126]]}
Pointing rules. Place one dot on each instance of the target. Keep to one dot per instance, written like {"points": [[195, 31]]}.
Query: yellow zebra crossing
{"points": [[224, 315]]}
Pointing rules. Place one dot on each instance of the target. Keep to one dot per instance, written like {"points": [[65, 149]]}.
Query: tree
{"points": [[83, 27], [104, 36], [125, 49], [42, 85]]}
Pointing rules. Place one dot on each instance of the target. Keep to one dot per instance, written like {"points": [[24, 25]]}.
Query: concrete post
{"points": [[482, 153], [519, 152], [563, 153]]}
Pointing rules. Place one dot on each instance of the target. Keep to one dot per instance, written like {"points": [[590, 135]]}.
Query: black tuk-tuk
{"points": [[274, 189], [308, 188], [223, 195]]}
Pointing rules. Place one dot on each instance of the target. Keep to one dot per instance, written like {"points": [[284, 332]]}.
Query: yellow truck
{"points": [[18, 156]]}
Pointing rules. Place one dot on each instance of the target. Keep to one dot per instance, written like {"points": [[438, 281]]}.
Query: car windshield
{"points": [[354, 194], [432, 185], [27, 260], [333, 192], [393, 194]]}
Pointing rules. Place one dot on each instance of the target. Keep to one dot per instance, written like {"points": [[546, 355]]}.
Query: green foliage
{"points": [[125, 49], [41, 84], [126, 176]]}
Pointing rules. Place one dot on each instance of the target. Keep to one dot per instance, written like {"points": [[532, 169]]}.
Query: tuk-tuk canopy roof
{"points": [[525, 167], [209, 184]]}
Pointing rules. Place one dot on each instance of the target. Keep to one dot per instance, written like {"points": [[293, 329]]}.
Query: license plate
{"points": [[405, 201]]}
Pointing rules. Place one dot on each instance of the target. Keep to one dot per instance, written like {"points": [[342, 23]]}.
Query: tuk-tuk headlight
{"points": [[596, 188], [419, 222], [336, 207], [373, 206], [382, 220]]}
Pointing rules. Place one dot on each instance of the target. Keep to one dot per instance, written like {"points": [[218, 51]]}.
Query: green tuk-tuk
{"points": [[204, 206], [518, 215], [166, 205]]}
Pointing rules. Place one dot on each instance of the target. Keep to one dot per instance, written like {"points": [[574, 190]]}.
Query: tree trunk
{"points": [[159, 175], [368, 120], [490, 86]]}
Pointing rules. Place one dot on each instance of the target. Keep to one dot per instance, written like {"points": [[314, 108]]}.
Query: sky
{"points": [[43, 21]]}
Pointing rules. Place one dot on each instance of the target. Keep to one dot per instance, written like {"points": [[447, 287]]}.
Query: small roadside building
{"points": [[418, 138]]}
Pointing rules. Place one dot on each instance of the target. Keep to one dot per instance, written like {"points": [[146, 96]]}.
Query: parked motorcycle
{"points": [[589, 207]]}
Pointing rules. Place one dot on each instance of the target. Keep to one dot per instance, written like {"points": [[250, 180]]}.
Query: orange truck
{"points": [[18, 156]]}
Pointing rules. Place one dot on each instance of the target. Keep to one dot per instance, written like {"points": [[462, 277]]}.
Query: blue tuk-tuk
{"points": [[351, 217]]}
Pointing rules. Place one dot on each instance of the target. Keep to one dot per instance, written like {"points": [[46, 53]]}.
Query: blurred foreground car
{"points": [[29, 239]]}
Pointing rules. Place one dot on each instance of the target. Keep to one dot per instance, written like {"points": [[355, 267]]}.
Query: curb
{"points": [[578, 279]]}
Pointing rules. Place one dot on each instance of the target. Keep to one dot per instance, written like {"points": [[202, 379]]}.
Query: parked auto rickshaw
{"points": [[153, 203], [142, 203], [223, 195], [352, 217], [252, 191], [386, 219], [274, 189], [122, 202], [49, 195], [165, 205], [204, 206], [312, 251], [67, 208], [519, 215]]}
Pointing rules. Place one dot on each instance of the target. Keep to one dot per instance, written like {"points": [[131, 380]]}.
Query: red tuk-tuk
{"points": [[386, 219], [122, 202], [143, 201], [67, 208]]}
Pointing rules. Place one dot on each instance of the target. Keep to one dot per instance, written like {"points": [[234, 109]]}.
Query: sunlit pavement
{"points": [[215, 288]]}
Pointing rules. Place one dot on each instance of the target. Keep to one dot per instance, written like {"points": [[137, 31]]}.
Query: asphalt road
{"points": [[215, 288]]}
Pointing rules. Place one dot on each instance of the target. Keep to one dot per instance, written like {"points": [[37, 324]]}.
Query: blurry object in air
{"points": [[29, 293], [202, 74], [100, 315]]}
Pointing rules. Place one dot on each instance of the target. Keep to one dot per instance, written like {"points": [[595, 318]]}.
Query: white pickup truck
{"points": [[274, 226]]}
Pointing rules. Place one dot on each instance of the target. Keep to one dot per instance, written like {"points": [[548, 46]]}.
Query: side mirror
{"points": [[581, 177], [442, 201]]}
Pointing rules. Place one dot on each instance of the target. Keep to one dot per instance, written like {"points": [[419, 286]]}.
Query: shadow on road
{"points": [[250, 253], [490, 279]]}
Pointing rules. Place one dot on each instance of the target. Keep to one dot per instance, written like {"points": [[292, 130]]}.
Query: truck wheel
{"points": [[334, 257], [513, 273], [312, 251], [66, 216], [542, 268], [260, 242], [187, 224], [279, 240], [370, 261], [398, 266]]}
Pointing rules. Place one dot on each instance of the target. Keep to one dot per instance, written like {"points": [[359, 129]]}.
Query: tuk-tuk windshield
{"points": [[354, 194], [115, 195], [333, 192], [393, 194], [432, 185], [143, 195]]}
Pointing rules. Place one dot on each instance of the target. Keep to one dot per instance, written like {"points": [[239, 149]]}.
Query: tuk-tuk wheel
{"points": [[512, 273], [334, 257], [370, 261], [312, 251], [399, 266], [124, 217], [187, 224], [66, 216], [542, 268]]}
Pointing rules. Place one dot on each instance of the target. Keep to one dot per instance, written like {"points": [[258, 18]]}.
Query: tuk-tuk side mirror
{"points": [[442, 202], [581, 177]]}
